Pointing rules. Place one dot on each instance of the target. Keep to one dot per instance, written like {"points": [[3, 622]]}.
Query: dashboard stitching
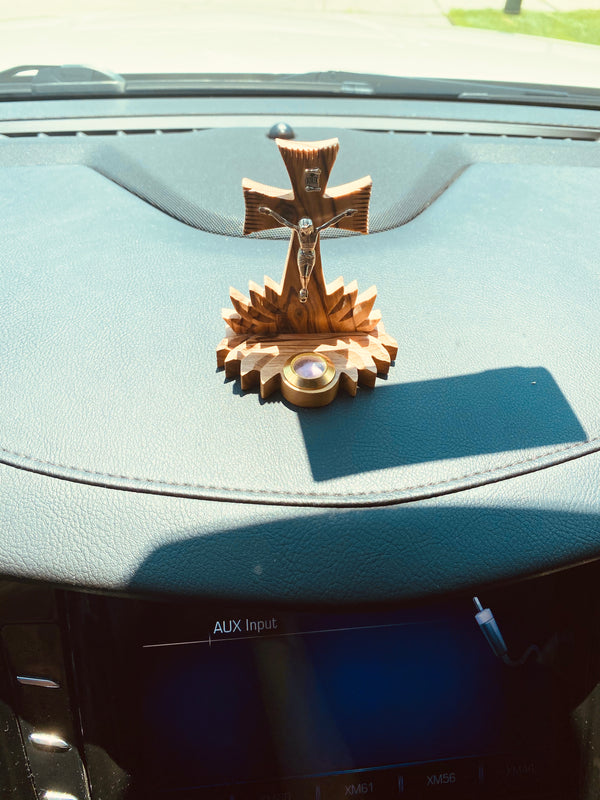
{"points": [[275, 492]]}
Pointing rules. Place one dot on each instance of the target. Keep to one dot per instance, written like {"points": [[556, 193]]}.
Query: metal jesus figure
{"points": [[308, 236]]}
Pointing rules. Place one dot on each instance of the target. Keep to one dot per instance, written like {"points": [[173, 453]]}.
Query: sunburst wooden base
{"points": [[259, 361], [334, 308]]}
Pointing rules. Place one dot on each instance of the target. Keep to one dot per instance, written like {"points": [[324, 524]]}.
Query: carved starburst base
{"points": [[259, 360]]}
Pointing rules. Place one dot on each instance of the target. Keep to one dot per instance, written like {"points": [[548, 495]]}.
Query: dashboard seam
{"points": [[584, 447]]}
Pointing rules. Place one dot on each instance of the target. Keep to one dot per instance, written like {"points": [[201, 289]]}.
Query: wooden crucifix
{"points": [[304, 325], [307, 209]]}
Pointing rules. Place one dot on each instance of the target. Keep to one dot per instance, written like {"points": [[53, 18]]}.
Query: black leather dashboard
{"points": [[130, 463]]}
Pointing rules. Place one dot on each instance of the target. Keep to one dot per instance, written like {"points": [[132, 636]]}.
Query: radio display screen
{"points": [[409, 697]]}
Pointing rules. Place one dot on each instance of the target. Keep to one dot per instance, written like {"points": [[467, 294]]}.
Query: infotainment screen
{"points": [[282, 705]]}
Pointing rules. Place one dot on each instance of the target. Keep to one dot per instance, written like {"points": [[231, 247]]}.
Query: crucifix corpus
{"points": [[304, 336]]}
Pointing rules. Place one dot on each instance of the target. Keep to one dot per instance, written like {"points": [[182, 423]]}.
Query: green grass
{"points": [[576, 26]]}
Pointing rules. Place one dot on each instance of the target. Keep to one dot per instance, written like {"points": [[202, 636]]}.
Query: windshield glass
{"points": [[549, 43]]}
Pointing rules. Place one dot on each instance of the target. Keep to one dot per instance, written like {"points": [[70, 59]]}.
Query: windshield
{"points": [[545, 43]]}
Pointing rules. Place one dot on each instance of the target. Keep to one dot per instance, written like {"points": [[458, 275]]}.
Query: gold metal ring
{"points": [[309, 379]]}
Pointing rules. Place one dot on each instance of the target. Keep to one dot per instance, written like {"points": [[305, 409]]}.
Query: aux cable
{"points": [[491, 631]]}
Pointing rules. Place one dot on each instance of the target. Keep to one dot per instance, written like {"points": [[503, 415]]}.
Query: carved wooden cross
{"points": [[309, 166], [273, 330]]}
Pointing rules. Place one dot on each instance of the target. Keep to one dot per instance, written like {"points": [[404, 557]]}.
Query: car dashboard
{"points": [[210, 595]]}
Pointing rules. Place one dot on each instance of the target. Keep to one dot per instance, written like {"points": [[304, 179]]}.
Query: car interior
{"points": [[210, 595]]}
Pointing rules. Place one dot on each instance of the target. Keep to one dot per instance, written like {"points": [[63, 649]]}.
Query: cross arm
{"points": [[355, 194], [259, 194]]}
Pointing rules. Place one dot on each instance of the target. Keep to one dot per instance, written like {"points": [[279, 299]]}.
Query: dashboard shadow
{"points": [[400, 424]]}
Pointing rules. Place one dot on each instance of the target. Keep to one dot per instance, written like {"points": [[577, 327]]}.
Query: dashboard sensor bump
{"points": [[281, 130]]}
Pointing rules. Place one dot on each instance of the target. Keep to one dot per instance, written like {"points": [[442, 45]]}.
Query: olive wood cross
{"points": [[309, 166]]}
